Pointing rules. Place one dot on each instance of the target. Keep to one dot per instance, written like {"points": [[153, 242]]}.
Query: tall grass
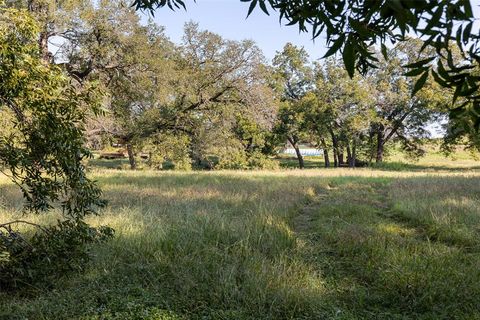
{"points": [[316, 244]]}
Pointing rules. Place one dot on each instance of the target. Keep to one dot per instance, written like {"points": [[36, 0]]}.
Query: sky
{"points": [[228, 18]]}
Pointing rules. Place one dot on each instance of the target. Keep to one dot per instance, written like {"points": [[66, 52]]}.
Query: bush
{"points": [[235, 159], [258, 160], [50, 252], [168, 152]]}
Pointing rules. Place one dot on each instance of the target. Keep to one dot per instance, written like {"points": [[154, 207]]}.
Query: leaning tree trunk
{"points": [[131, 157], [294, 144]]}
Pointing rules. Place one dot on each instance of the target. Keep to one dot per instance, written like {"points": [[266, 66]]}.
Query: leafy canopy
{"points": [[355, 27], [43, 153], [41, 150]]}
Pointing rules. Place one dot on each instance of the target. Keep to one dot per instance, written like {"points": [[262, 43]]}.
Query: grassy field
{"points": [[290, 244]]}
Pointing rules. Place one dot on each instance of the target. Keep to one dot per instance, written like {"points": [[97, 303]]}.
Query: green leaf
{"points": [[253, 4], [359, 27], [337, 44], [439, 80], [435, 18], [466, 32], [420, 83], [415, 72], [264, 7], [349, 58], [468, 8], [384, 51], [458, 37], [441, 70], [420, 63]]}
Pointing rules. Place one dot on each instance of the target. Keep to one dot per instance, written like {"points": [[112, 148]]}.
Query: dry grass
{"points": [[290, 244]]}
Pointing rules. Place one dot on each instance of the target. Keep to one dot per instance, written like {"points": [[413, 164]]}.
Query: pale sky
{"points": [[228, 18]]}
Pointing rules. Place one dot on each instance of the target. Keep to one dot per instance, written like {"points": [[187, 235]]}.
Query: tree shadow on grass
{"points": [[196, 267], [402, 166], [383, 268]]}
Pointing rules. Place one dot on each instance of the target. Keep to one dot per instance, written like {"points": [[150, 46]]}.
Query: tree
{"points": [[290, 127], [355, 27], [341, 109], [43, 153], [106, 42], [294, 79], [400, 116], [214, 80]]}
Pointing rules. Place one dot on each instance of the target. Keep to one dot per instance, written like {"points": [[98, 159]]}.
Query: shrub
{"points": [[49, 252], [258, 160], [169, 152], [235, 159]]}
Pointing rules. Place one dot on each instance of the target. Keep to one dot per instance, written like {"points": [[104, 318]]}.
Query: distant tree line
{"points": [[210, 102]]}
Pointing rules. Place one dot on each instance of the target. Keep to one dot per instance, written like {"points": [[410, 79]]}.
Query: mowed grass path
{"points": [[316, 244]]}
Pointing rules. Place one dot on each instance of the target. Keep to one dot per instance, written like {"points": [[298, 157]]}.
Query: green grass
{"points": [[312, 244]]}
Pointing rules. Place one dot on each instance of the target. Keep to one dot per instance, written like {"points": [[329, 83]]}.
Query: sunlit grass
{"points": [[287, 244]]}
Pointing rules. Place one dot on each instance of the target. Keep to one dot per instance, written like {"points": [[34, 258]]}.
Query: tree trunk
{"points": [[131, 157], [353, 158], [325, 154], [335, 158], [326, 158], [349, 156], [341, 158], [371, 148], [335, 148], [41, 12], [380, 145], [43, 44], [297, 151]]}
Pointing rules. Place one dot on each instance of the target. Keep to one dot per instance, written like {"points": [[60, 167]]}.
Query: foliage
{"points": [[293, 80], [208, 81], [42, 153], [399, 116], [50, 252], [342, 110], [461, 130], [105, 41], [258, 160], [354, 28], [168, 152], [234, 159]]}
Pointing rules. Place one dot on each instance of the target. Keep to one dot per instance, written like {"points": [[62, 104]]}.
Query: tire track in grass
{"points": [[372, 261]]}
